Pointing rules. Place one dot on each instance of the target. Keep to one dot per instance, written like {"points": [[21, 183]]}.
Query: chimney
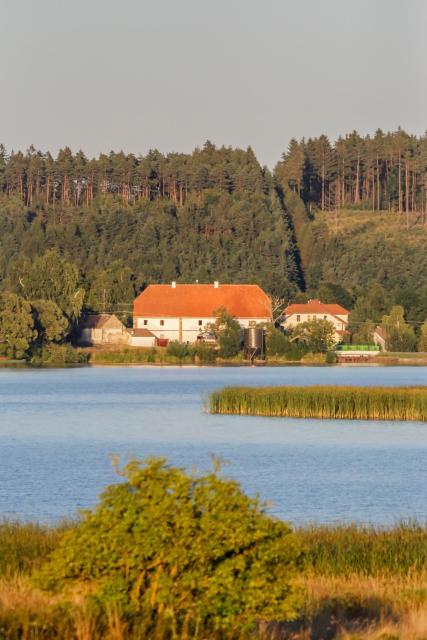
{"points": [[173, 284], [216, 284]]}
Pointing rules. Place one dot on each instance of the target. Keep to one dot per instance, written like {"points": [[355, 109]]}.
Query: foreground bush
{"points": [[189, 551]]}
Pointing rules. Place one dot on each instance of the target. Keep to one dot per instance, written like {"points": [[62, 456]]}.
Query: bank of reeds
{"points": [[352, 403], [344, 550]]}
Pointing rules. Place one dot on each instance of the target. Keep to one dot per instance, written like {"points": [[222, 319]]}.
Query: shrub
{"points": [[229, 333], [277, 343], [331, 357], [192, 551], [177, 350], [204, 353], [317, 335], [59, 354]]}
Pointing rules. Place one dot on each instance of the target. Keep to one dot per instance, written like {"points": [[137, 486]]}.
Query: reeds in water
{"points": [[352, 403]]}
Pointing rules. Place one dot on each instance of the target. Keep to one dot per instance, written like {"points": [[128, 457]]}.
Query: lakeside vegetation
{"points": [[344, 222], [345, 403], [164, 549]]}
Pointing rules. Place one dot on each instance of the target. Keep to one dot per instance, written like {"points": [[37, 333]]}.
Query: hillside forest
{"points": [[343, 221]]}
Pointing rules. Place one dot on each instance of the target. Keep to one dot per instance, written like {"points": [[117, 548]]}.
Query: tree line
{"points": [[73, 179], [386, 171], [121, 221]]}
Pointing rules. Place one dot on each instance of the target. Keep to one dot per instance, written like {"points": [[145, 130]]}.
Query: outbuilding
{"points": [[102, 328]]}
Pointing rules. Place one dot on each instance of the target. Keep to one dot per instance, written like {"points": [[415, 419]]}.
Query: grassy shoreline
{"points": [[328, 401], [359, 580]]}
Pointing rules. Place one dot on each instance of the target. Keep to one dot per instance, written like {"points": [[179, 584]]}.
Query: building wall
{"points": [[185, 329], [143, 341], [339, 322], [103, 336]]}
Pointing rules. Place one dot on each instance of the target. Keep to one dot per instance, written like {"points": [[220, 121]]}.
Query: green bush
{"points": [[59, 354], [191, 550], [203, 353], [277, 344], [229, 334], [177, 350]]}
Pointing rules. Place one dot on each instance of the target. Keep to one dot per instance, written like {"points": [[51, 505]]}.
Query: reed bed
{"points": [[352, 403], [344, 550]]}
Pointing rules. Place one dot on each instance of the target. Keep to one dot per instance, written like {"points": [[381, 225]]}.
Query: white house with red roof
{"points": [[184, 311], [296, 313]]}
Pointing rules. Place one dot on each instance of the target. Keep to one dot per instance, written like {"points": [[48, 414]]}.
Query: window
{"points": [[145, 322], [200, 323], [325, 317], [298, 318], [162, 323]]}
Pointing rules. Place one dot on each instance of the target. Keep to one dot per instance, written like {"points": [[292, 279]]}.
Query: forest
{"points": [[344, 221]]}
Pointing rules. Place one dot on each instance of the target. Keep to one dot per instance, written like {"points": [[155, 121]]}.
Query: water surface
{"points": [[59, 428]]}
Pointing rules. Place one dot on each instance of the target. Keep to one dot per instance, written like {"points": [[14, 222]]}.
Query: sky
{"points": [[133, 75]]}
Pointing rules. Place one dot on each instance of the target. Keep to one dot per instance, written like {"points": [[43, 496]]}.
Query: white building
{"points": [[184, 311], [295, 314]]}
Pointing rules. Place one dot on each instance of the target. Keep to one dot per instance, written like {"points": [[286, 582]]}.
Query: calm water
{"points": [[59, 428]]}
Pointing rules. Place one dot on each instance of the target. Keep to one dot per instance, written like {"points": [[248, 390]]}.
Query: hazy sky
{"points": [[139, 74]]}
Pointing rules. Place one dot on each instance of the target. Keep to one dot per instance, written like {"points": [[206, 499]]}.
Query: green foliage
{"points": [[278, 344], [177, 350], [331, 357], [203, 353], [399, 335], [347, 403], [110, 287], [50, 322], [51, 277], [58, 354], [317, 335], [229, 334], [364, 333], [17, 331], [192, 550], [332, 293]]}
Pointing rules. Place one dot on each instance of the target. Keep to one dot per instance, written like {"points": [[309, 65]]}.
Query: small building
{"points": [[142, 338], [184, 311], [295, 314], [102, 328]]}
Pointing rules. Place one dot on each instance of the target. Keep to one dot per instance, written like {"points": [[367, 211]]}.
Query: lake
{"points": [[60, 427]]}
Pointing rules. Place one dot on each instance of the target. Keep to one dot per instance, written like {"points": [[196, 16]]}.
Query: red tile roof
{"points": [[201, 300], [315, 306]]}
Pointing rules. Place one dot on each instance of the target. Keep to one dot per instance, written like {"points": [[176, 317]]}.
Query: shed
{"points": [[142, 338], [102, 328]]}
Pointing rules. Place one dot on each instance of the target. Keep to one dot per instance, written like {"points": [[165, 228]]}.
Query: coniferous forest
{"points": [[345, 221]]}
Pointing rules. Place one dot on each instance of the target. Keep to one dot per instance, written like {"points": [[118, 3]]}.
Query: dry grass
{"points": [[366, 607], [385, 222]]}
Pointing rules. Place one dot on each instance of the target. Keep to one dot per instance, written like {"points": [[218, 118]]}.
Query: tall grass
{"points": [[24, 546], [367, 580], [364, 403], [344, 550]]}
